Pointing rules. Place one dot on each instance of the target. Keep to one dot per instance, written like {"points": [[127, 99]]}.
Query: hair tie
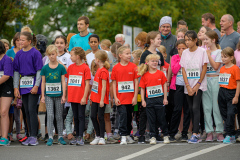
{"points": [[146, 45]]}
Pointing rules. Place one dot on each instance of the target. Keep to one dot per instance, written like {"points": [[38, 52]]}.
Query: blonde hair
{"points": [[143, 68], [120, 51], [137, 52], [103, 57], [51, 48], [229, 52], [26, 29], [106, 42], [183, 30], [115, 47], [162, 49], [79, 52], [93, 67]]}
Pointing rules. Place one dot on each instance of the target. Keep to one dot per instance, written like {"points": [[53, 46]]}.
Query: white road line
{"points": [[141, 152], [195, 154]]}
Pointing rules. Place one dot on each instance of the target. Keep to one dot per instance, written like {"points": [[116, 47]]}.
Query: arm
{"points": [[235, 99], [189, 89], [34, 90], [3, 79], [114, 85], [214, 64], [103, 92], [111, 94], [203, 73], [86, 91], [175, 66], [165, 101], [64, 89], [142, 97], [16, 79], [134, 100], [43, 89]]}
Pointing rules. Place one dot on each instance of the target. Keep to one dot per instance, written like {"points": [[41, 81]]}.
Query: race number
{"points": [[75, 81], [154, 91], [95, 87], [53, 88], [210, 69], [125, 87], [1, 74], [179, 74], [193, 74], [26, 82], [224, 79]]}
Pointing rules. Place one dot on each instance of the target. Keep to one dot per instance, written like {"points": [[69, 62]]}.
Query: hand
{"points": [[15, 102], [34, 90], [90, 102], [111, 101], [208, 52], [190, 91], [117, 102], [144, 103], [165, 102], [63, 100], [43, 99], [235, 100], [83, 101], [70, 136], [87, 136], [195, 88], [17, 93], [101, 104], [134, 101]]}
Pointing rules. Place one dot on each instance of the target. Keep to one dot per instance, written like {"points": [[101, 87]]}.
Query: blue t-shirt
{"points": [[79, 41], [53, 76], [11, 53]]}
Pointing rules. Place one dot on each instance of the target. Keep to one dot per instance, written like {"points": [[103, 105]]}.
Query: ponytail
{"points": [[143, 68], [103, 57], [218, 46], [106, 65]]}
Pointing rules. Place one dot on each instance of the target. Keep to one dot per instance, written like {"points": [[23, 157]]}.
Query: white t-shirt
{"points": [[64, 58], [90, 57], [216, 56]]}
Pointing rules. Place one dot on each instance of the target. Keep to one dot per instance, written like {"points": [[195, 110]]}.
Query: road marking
{"points": [[195, 154], [141, 152]]}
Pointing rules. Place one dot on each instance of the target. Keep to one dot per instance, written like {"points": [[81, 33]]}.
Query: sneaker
{"points": [[111, 140], [61, 141], [19, 137], [101, 141], [39, 136], [166, 140], [153, 140], [203, 135], [49, 142], [141, 140], [4, 142], [147, 136], [55, 139], [73, 142], [26, 142], [220, 137], [238, 139], [130, 140], [159, 139], [33, 142], [10, 138], [116, 136], [46, 137], [233, 140], [23, 139], [194, 139], [123, 140], [172, 139], [137, 134], [227, 140], [184, 138], [95, 141], [209, 137], [22, 131], [80, 141]]}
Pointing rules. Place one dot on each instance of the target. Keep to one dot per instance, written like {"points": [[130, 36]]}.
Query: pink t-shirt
{"points": [[194, 60], [237, 57]]}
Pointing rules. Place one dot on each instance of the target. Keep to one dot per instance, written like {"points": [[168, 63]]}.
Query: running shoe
{"points": [[26, 142], [19, 137], [238, 139], [46, 137], [137, 134], [209, 137], [49, 142], [194, 139], [233, 139], [73, 142], [55, 139], [141, 140], [166, 140], [123, 140], [39, 136], [130, 140], [111, 140], [33, 141], [23, 139], [61, 141], [101, 141], [184, 138], [80, 141], [227, 140], [220, 137], [95, 141], [153, 140], [4, 142], [116, 136], [172, 139], [159, 139]]}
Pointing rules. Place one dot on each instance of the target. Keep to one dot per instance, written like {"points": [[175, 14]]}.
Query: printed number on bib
{"points": [[210, 69], [75, 81], [1, 74], [224, 79], [179, 74], [193, 74], [26, 82], [53, 88], [125, 87], [154, 91], [95, 87]]}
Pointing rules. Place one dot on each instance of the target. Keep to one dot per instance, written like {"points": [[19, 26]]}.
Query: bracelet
{"points": [[199, 83], [187, 85]]}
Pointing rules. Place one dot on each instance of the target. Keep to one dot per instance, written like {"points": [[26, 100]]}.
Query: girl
{"points": [[16, 44], [28, 64], [154, 82], [6, 93], [106, 45], [125, 91], [180, 100], [100, 96], [209, 97], [201, 36], [78, 75], [229, 81], [194, 66], [53, 80]]}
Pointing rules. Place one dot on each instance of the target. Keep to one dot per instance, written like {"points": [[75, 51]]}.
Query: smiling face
{"points": [[201, 33], [226, 59], [125, 55], [60, 44], [180, 35], [208, 41], [153, 63], [165, 29]]}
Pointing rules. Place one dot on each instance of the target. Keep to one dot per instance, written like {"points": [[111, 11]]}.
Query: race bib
{"points": [[224, 79], [95, 87], [210, 69], [26, 82], [179, 74], [1, 74], [75, 81], [53, 88], [193, 74], [154, 91], [125, 87]]}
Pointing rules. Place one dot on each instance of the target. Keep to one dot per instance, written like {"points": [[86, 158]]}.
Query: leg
{"points": [[81, 119], [5, 105], [159, 111], [196, 111], [122, 120], [17, 119], [107, 122], [50, 115], [142, 121], [129, 109], [187, 118], [75, 115], [94, 113], [101, 111], [59, 114], [151, 116]]}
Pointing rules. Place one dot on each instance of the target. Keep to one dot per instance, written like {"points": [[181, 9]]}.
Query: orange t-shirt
{"points": [[76, 81], [122, 74], [152, 79], [96, 93], [235, 76]]}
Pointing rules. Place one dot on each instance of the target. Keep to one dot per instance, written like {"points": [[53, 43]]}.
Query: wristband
{"points": [[199, 83], [187, 85]]}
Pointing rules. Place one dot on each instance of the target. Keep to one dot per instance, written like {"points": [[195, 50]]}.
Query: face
{"points": [[156, 41], [222, 33], [82, 26], [201, 33], [93, 42], [139, 43], [225, 23], [103, 47], [190, 42], [73, 57], [181, 48], [120, 40], [238, 29], [60, 44], [24, 43], [17, 42], [52, 56], [226, 59], [6, 46], [182, 26], [180, 35], [165, 29], [153, 63], [208, 41], [204, 22], [126, 55], [135, 59]]}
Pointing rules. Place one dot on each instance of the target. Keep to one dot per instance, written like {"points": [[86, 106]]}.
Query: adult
{"points": [[140, 39], [168, 40], [6, 44], [238, 27], [208, 20], [182, 24], [120, 38], [81, 39], [231, 37], [16, 43]]}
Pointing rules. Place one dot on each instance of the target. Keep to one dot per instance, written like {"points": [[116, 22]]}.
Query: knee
{"points": [[107, 117], [50, 117], [4, 113], [93, 117]]}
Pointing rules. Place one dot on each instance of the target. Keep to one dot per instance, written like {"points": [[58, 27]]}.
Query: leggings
{"points": [[25, 120], [17, 119], [97, 116], [30, 105], [79, 118], [54, 103], [194, 107]]}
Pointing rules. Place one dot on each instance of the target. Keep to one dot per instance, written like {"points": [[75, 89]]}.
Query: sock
{"points": [[109, 135], [50, 137], [39, 131], [116, 130]]}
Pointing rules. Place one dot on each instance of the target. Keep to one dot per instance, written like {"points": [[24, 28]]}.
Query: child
{"points": [[180, 100], [154, 82], [194, 67], [100, 96], [136, 56], [93, 41], [6, 92], [106, 45], [201, 35], [125, 91], [209, 97], [28, 64], [162, 49], [229, 81], [78, 75]]}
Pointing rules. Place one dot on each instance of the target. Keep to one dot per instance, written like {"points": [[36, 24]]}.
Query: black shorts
{"points": [[6, 89]]}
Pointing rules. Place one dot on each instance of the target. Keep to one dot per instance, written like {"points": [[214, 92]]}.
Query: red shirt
{"points": [[125, 73], [165, 67], [76, 92], [152, 79], [101, 74]]}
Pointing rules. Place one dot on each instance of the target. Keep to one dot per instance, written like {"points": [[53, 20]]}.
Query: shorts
{"points": [[6, 89], [108, 108], [11, 109]]}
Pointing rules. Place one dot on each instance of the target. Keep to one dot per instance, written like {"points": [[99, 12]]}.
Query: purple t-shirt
{"points": [[6, 66], [27, 63]]}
